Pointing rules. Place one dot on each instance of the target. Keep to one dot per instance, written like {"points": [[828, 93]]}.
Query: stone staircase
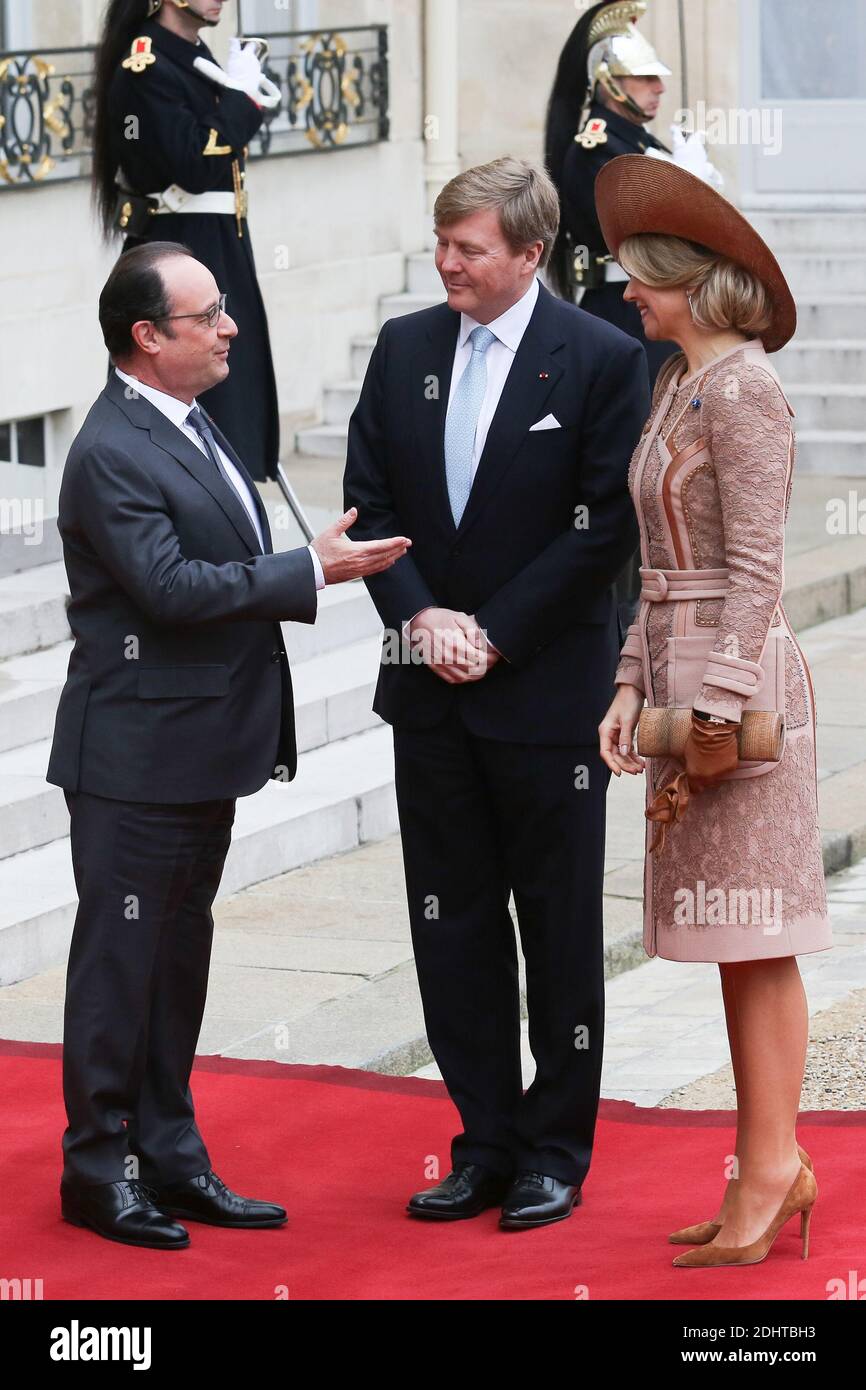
{"points": [[423, 289], [824, 367], [342, 794]]}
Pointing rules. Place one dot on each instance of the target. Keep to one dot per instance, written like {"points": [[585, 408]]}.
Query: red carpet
{"points": [[342, 1150]]}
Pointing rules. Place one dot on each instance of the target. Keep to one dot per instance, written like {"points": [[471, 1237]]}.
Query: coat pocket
{"points": [[687, 662], [182, 682]]}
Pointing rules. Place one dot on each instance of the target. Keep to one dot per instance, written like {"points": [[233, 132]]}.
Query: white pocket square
{"points": [[549, 422]]}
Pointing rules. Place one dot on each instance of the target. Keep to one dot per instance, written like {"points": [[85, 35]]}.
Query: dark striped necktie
{"points": [[205, 434]]}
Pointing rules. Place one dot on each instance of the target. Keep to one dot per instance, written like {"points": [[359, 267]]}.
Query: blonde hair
{"points": [[522, 193], [726, 295]]}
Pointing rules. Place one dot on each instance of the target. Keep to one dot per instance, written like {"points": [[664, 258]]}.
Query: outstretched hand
{"points": [[342, 559]]}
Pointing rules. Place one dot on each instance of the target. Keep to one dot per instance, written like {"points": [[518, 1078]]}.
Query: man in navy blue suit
{"points": [[496, 431]]}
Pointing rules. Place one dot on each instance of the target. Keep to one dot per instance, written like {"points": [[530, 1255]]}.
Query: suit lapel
{"points": [[167, 436], [533, 375], [432, 368]]}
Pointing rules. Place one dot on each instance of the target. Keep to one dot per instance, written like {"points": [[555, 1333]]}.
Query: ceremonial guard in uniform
{"points": [[171, 138], [608, 85]]}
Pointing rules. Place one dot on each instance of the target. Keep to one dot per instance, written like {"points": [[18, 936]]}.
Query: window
{"points": [[23, 441], [813, 51]]}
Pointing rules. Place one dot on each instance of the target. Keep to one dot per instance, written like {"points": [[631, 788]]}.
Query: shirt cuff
{"points": [[317, 568]]}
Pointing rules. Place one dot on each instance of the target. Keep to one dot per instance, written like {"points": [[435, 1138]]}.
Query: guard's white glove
{"points": [[689, 153], [243, 74], [243, 66]]}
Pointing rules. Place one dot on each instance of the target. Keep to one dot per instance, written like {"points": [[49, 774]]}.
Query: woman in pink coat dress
{"points": [[734, 869]]}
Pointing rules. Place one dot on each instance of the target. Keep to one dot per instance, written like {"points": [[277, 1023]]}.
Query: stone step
{"points": [[838, 406], [821, 314], [830, 316], [830, 343], [362, 350], [838, 453], [392, 306], [343, 795], [809, 231], [809, 272], [828, 440], [33, 609], [333, 698], [332, 694], [31, 538], [322, 442], [836, 360], [345, 614], [29, 690], [830, 292], [340, 401], [33, 615], [422, 277], [833, 408]]}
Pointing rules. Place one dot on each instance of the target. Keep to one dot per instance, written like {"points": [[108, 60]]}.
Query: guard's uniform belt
{"points": [[176, 199]]}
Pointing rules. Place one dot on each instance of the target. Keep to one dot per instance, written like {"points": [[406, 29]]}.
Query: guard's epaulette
{"points": [[593, 133], [140, 55]]}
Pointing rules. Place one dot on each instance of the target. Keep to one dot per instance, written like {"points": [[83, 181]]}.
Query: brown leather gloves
{"points": [[710, 753]]}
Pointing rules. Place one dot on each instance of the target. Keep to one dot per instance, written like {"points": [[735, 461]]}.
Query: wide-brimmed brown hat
{"points": [[636, 193]]}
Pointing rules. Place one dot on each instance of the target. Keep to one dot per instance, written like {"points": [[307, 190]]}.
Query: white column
{"points": [[441, 84]]}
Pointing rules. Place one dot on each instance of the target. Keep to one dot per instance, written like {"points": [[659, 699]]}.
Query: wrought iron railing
{"points": [[46, 116], [334, 89]]}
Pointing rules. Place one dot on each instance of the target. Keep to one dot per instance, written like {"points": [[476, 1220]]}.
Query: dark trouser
{"points": [[480, 818], [136, 984]]}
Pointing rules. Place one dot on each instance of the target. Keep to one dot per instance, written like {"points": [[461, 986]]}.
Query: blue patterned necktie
{"points": [[462, 421]]}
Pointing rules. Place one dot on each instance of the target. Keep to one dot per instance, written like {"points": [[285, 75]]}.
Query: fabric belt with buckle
{"points": [[658, 586]]}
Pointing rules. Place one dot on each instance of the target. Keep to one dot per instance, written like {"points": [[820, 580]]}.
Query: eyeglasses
{"points": [[209, 316]]}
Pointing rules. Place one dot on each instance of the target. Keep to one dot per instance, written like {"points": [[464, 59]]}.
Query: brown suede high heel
{"points": [[800, 1198], [705, 1231]]}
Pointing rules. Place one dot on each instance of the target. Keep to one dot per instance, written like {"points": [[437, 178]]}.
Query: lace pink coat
{"points": [[741, 876]]}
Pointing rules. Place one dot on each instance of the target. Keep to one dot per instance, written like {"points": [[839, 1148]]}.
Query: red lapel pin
{"points": [[543, 376]]}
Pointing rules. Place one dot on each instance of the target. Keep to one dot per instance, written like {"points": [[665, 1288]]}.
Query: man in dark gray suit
{"points": [[178, 699]]}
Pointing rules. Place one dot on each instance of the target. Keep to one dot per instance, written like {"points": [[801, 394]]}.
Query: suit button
{"points": [[455, 550], [275, 656]]}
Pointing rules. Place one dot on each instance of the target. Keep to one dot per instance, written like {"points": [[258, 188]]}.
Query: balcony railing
{"points": [[46, 116], [334, 89]]}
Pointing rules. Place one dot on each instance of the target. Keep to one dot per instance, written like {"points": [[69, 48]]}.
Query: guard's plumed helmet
{"points": [[618, 49]]}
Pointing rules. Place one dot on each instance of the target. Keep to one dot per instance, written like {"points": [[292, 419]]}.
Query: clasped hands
{"points": [[452, 645]]}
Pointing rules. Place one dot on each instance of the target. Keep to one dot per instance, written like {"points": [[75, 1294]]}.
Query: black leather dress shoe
{"points": [[467, 1191], [534, 1199], [207, 1199], [122, 1211]]}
